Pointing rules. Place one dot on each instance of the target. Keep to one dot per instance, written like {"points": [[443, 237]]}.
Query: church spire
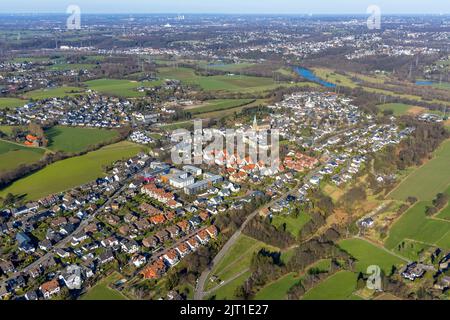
{"points": [[255, 124]]}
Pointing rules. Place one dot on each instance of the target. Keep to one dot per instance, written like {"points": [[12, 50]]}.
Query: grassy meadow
{"points": [[76, 139], [72, 172]]}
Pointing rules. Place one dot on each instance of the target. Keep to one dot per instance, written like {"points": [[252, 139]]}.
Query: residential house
{"points": [[155, 270], [50, 288], [171, 257]]}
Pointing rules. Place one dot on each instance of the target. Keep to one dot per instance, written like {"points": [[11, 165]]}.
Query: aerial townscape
{"points": [[94, 206]]}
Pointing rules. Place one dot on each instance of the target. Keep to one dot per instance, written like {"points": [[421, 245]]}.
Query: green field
{"points": [[445, 213], [75, 139], [11, 103], [178, 125], [71, 66], [411, 249], [230, 111], [13, 155], [230, 67], [59, 92], [293, 225], [227, 292], [218, 105], [102, 291], [71, 172], [368, 254], [122, 88], [339, 286], [7, 129], [398, 108], [428, 180], [277, 290], [348, 81], [231, 83], [237, 259], [415, 225]]}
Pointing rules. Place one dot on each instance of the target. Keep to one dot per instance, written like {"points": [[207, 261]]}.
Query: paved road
{"points": [[199, 293]]}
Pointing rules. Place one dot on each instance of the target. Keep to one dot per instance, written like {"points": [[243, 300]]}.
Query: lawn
{"points": [[428, 180], [122, 88], [415, 225], [75, 139], [217, 105], [72, 172], [398, 108], [13, 155], [11, 103], [102, 291], [339, 286], [293, 225], [59, 92], [368, 254]]}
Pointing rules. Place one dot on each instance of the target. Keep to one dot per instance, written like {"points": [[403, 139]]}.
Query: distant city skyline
{"points": [[230, 6]]}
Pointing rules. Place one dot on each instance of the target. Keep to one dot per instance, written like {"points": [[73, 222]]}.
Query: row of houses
{"points": [[172, 256]]}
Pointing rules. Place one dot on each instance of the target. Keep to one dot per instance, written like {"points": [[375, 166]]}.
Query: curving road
{"points": [[199, 293]]}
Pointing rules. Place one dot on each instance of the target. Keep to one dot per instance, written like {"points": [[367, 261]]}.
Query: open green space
{"points": [[11, 103], [72, 172], [58, 92], [368, 254], [76, 139], [278, 289], [415, 225], [231, 83], [13, 155], [218, 105], [354, 81], [428, 180], [397, 108], [339, 286], [237, 259], [411, 249], [293, 224], [120, 87], [227, 292], [7, 129], [102, 291], [177, 125], [230, 111], [71, 66], [230, 67], [445, 213]]}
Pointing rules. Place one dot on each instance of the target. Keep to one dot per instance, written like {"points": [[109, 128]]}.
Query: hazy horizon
{"points": [[292, 7]]}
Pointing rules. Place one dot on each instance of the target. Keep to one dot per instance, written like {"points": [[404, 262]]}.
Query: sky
{"points": [[228, 6]]}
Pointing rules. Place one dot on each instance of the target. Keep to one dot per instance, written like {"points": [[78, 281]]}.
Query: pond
{"points": [[424, 83], [309, 75]]}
